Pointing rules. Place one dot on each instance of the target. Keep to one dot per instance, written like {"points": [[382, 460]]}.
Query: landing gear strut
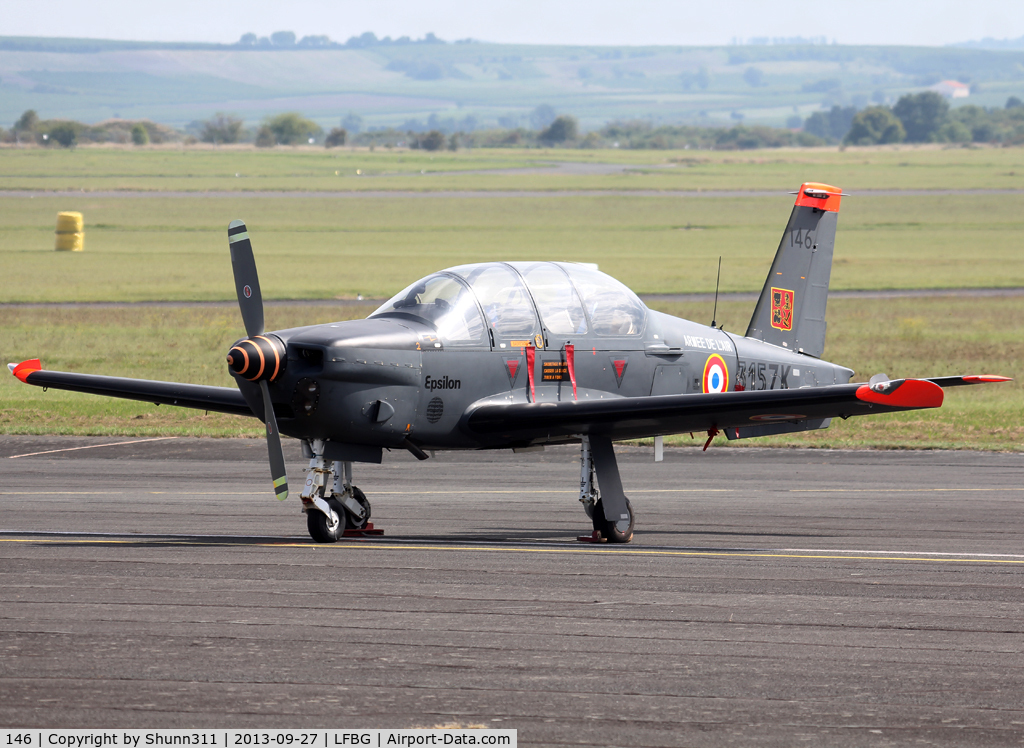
{"points": [[331, 503], [608, 508]]}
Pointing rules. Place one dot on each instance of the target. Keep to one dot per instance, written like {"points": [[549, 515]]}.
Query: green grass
{"points": [[306, 169], [176, 248], [902, 337]]}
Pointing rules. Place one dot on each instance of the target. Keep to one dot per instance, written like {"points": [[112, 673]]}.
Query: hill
{"points": [[393, 83]]}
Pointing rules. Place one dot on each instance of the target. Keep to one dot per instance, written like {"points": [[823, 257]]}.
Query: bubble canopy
{"points": [[511, 299]]}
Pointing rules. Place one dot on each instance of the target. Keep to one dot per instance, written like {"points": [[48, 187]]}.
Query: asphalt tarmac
{"points": [[770, 597]]}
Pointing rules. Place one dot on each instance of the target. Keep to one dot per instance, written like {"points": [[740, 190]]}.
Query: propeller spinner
{"points": [[260, 358]]}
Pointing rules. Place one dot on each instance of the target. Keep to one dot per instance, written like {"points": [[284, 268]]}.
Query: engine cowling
{"points": [[261, 357]]}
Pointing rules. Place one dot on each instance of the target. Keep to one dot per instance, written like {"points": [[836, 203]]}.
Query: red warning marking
{"points": [[620, 367], [513, 367], [247, 291]]}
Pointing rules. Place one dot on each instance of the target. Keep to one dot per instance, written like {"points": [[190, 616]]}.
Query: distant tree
{"points": [[453, 142], [63, 133], [542, 116], [335, 137], [840, 119], [353, 123], [367, 39], [830, 125], [221, 128], [794, 122], [754, 77], [564, 128], [1014, 103], [922, 115], [873, 125], [312, 42], [817, 124], [433, 141], [248, 40], [283, 38], [140, 135], [27, 121], [292, 128], [954, 132], [265, 137]]}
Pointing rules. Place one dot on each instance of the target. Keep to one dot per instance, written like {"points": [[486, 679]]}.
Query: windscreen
{"points": [[503, 297], [443, 303]]}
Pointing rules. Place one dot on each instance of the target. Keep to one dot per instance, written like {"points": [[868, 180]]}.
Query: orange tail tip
{"points": [[987, 378], [22, 370], [910, 393], [818, 195]]}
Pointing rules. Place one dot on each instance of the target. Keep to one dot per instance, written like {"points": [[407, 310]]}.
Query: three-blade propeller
{"points": [[250, 303]]}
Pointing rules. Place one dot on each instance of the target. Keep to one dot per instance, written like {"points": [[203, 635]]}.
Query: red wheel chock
{"points": [[593, 538], [363, 533]]}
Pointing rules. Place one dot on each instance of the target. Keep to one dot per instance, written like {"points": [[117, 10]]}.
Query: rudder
{"points": [[791, 309]]}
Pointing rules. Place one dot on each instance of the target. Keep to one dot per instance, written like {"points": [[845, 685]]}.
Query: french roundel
{"points": [[716, 375]]}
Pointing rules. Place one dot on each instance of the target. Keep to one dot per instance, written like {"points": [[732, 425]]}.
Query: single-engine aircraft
{"points": [[518, 355]]}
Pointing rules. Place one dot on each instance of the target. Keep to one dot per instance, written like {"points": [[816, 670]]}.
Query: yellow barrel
{"points": [[70, 232]]}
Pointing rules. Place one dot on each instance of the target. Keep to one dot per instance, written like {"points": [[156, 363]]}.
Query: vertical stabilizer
{"points": [[791, 310]]}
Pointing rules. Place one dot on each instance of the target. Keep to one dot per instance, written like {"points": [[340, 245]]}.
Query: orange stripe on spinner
{"points": [[263, 361], [277, 356]]}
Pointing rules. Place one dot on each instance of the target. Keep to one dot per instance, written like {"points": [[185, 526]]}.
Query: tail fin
{"points": [[791, 310]]}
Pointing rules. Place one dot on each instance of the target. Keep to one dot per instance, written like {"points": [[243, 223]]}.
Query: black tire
{"points": [[316, 523], [351, 523], [608, 529]]}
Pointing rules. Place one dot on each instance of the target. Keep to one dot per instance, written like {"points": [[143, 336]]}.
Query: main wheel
{"points": [[319, 526], [351, 523], [609, 530]]}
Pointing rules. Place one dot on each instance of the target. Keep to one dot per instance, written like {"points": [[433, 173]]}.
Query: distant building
{"points": [[952, 89]]}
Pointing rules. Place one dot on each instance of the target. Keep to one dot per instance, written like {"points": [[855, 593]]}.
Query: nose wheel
{"points": [[329, 529]]}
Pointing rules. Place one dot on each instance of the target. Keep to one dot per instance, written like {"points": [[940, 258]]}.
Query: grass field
{"points": [[145, 248], [307, 169], [176, 249], [902, 337]]}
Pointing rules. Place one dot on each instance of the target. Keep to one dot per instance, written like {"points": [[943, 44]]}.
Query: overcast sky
{"points": [[923, 22]]}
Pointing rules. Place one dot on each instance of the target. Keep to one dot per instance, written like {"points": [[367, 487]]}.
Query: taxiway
{"points": [[770, 596]]}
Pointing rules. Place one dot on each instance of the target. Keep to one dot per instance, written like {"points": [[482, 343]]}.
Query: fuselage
{"points": [[399, 375]]}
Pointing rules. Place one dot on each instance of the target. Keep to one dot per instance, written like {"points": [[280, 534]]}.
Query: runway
{"points": [[770, 597]]}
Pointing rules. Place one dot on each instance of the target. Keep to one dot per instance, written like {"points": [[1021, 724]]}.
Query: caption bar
{"points": [[35, 738]]}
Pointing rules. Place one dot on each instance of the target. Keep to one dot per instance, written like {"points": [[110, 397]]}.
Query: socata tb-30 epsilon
{"points": [[502, 355]]}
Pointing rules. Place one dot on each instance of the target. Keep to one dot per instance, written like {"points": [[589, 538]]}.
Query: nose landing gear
{"points": [[331, 503]]}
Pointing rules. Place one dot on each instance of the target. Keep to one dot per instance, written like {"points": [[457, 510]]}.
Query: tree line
{"points": [[924, 117], [915, 118]]}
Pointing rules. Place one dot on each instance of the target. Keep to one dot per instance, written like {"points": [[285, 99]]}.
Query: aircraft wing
{"points": [[640, 417], [202, 397]]}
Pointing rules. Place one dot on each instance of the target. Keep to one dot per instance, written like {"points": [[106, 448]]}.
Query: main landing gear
{"points": [[331, 503], [608, 508]]}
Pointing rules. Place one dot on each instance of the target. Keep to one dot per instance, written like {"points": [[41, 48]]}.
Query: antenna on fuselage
{"points": [[714, 314]]}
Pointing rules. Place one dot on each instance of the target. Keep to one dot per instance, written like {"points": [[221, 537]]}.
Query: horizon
{"points": [[531, 22]]}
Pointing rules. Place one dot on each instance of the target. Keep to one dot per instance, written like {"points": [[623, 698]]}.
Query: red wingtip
{"points": [[979, 378], [909, 393], [22, 370], [818, 195]]}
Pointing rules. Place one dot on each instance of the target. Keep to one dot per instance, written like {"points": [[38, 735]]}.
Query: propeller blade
{"points": [[247, 281], [277, 467]]}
